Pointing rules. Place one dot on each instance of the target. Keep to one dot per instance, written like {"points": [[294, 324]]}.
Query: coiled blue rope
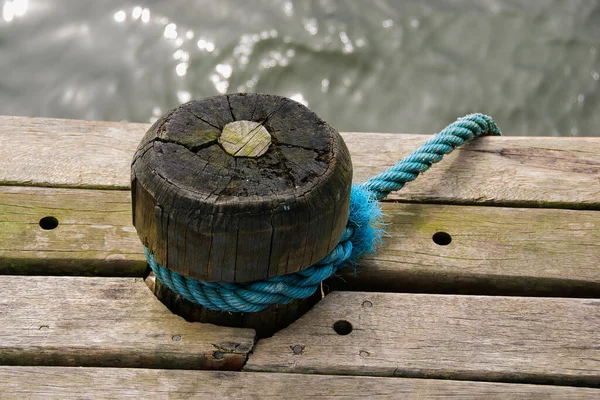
{"points": [[362, 234]]}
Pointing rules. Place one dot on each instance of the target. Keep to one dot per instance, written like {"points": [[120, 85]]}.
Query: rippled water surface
{"points": [[387, 66]]}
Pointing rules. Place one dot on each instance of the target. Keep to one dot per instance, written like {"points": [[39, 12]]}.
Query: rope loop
{"points": [[362, 234]]}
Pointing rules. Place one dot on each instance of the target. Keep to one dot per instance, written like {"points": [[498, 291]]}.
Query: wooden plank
{"points": [[94, 236], [67, 153], [510, 339], [107, 322], [512, 171], [109, 383], [517, 171], [493, 250]]}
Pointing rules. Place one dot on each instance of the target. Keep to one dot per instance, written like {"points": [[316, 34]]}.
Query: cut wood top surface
{"points": [[543, 171], [245, 139], [109, 383], [512, 339], [76, 321], [182, 151]]}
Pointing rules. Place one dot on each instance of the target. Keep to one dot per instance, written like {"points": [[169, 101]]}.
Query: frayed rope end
{"points": [[367, 220]]}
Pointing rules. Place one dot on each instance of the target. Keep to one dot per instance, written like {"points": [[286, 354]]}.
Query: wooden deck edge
{"points": [[508, 171]]}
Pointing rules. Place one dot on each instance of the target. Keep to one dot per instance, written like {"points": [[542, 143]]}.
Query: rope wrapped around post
{"points": [[362, 234]]}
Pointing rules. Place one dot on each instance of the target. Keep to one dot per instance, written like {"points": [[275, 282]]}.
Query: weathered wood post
{"points": [[240, 188]]}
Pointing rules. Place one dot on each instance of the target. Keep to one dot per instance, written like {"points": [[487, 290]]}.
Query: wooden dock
{"points": [[510, 308]]}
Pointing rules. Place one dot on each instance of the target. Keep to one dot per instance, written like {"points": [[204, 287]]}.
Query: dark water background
{"points": [[387, 66]]}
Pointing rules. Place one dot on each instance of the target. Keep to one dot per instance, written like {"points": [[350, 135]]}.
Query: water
{"points": [[375, 66]]}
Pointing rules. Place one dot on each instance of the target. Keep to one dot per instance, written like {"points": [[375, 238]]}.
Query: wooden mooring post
{"points": [[240, 188]]}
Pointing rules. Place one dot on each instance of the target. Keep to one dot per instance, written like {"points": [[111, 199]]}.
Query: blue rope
{"points": [[362, 234], [456, 134]]}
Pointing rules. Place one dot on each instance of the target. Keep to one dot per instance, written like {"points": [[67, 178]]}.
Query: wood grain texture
{"points": [[493, 250], [524, 171], [116, 322], [515, 171], [254, 218], [110, 383], [94, 235], [510, 339], [67, 153]]}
